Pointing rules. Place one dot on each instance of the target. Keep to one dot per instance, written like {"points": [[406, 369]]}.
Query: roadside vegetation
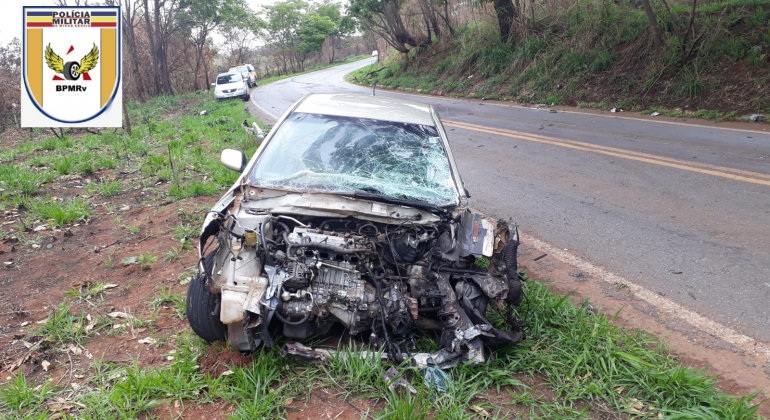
{"points": [[112, 341], [713, 60]]}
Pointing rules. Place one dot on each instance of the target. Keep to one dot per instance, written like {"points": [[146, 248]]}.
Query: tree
{"points": [[283, 19], [238, 43], [128, 25], [383, 17], [312, 31], [343, 25], [687, 35], [657, 36], [161, 24], [129, 22], [296, 31], [506, 14], [199, 18]]}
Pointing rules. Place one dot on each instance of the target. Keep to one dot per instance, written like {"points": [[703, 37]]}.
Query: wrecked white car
{"points": [[352, 213]]}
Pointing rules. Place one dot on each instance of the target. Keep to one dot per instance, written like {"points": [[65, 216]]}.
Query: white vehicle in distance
{"points": [[231, 85], [247, 70]]}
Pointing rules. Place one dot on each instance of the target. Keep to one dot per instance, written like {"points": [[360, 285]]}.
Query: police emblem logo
{"points": [[71, 67]]}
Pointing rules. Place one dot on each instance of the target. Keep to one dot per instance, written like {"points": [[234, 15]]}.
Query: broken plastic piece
{"points": [[435, 379]]}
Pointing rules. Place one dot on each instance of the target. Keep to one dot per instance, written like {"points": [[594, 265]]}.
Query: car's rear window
{"points": [[228, 78]]}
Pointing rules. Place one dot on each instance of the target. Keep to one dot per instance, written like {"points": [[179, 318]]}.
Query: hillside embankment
{"points": [[600, 54]]}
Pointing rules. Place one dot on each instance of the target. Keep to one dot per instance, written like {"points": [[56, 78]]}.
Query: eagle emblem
{"points": [[72, 70]]}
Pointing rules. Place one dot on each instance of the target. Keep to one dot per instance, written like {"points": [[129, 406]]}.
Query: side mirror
{"points": [[467, 193], [233, 159]]}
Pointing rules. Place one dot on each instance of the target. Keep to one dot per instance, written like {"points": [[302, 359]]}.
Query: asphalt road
{"points": [[682, 210]]}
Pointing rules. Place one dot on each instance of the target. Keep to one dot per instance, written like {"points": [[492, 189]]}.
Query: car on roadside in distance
{"points": [[247, 70], [352, 213], [231, 85]]}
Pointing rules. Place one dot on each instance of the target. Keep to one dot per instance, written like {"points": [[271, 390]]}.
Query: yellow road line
{"points": [[300, 89], [703, 168]]}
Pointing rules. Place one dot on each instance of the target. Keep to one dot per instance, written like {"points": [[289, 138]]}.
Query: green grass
{"points": [[62, 327], [104, 188], [22, 181], [145, 261], [692, 85], [193, 189], [18, 396], [64, 164], [183, 152], [172, 255], [89, 291], [175, 301], [60, 213]]}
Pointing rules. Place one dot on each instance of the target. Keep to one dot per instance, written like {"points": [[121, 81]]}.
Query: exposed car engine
{"points": [[300, 275]]}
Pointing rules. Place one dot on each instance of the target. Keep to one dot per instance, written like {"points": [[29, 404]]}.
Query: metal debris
{"points": [[390, 376]]}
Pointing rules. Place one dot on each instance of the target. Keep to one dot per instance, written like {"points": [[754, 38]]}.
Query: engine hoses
{"points": [[305, 318], [515, 291], [287, 322]]}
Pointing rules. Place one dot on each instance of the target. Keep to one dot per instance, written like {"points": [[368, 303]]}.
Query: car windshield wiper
{"points": [[374, 194]]}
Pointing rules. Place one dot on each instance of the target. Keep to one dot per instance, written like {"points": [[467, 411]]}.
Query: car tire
{"points": [[71, 70], [202, 305], [246, 98]]}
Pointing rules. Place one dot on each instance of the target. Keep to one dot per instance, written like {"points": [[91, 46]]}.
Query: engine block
{"points": [[329, 283]]}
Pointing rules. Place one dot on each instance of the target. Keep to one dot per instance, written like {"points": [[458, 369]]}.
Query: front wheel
{"points": [[203, 306]]}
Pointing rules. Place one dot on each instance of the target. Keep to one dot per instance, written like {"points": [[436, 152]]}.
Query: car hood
{"points": [[326, 205]]}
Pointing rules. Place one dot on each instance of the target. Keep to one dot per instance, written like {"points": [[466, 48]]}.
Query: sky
{"points": [[10, 14]]}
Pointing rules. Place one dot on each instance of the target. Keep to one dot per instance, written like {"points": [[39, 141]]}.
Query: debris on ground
{"points": [[254, 130], [756, 118], [655, 114], [394, 381], [434, 377]]}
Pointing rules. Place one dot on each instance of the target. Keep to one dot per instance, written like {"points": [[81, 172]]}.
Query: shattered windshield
{"points": [[326, 153]]}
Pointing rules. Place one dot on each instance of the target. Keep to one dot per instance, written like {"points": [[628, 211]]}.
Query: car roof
{"points": [[367, 106]]}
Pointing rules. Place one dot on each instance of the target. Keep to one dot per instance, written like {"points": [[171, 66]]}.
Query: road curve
{"points": [[682, 210]]}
